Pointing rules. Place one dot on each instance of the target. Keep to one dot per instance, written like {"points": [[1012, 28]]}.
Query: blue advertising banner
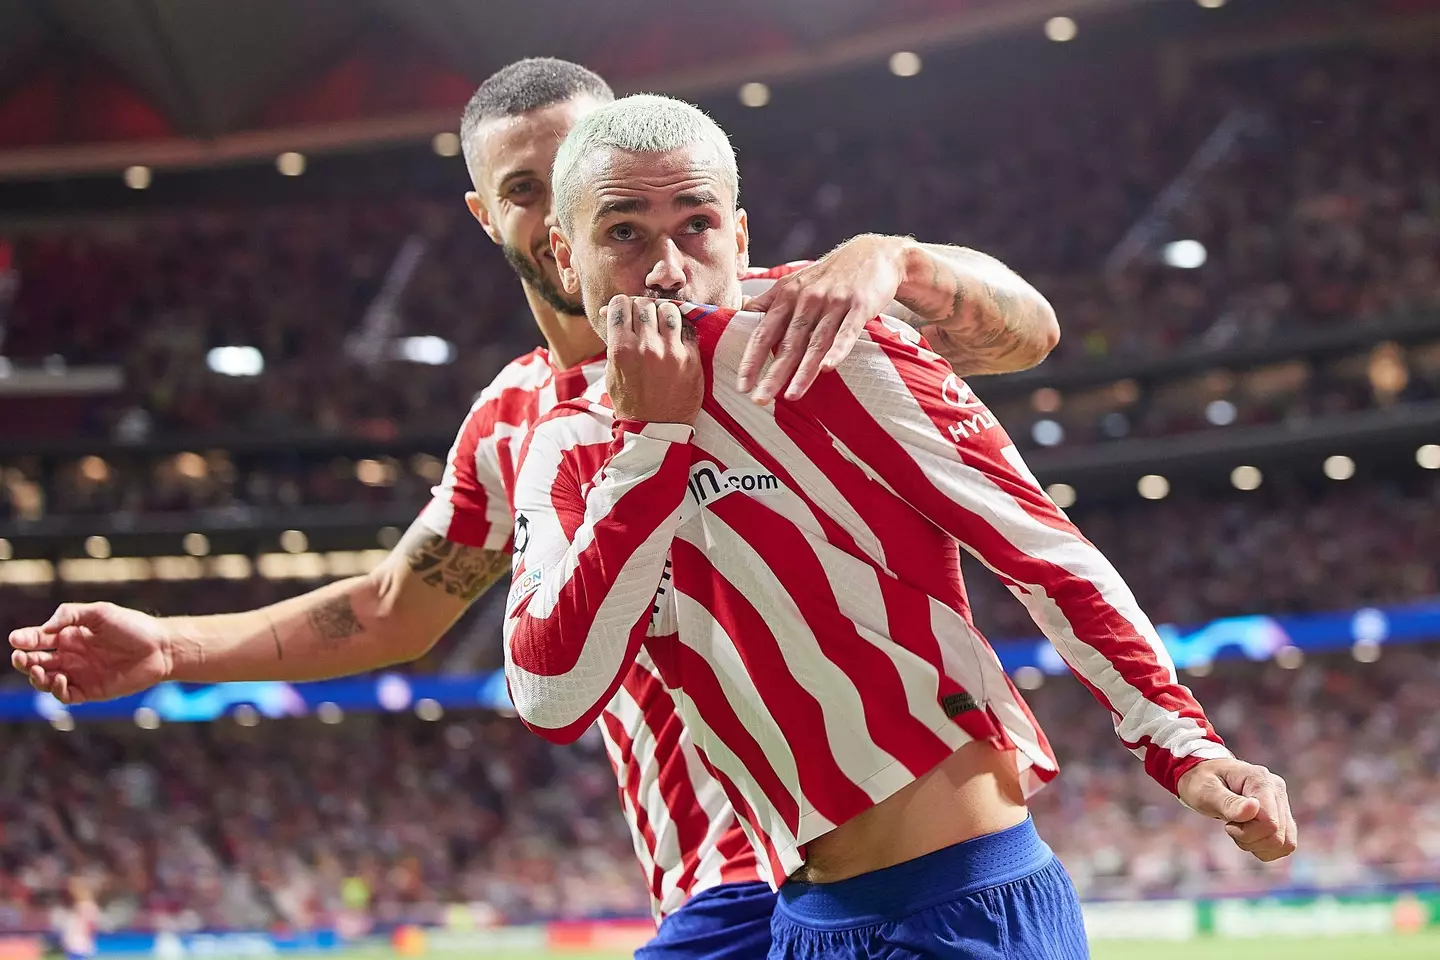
{"points": [[1254, 637]]}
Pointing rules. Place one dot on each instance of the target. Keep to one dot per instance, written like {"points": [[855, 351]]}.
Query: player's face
{"points": [[653, 224], [512, 191]]}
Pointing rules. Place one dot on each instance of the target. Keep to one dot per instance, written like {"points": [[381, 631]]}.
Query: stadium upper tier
{"points": [[1321, 212]]}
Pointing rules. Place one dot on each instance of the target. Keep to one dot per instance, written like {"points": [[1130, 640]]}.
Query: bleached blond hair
{"points": [[641, 123]]}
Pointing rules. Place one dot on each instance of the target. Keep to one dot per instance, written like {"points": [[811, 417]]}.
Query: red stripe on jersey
{"points": [[746, 812], [676, 790], [873, 673], [740, 864], [1130, 654], [469, 497], [916, 553], [630, 790], [702, 685], [552, 646]]}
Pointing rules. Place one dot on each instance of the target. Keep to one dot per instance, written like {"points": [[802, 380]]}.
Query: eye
{"points": [[523, 192], [623, 232], [698, 225]]}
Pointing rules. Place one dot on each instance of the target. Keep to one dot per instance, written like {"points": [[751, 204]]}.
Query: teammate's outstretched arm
{"points": [[588, 562], [933, 442], [97, 651], [976, 312]]}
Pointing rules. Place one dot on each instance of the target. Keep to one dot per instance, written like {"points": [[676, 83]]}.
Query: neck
{"points": [[569, 337]]}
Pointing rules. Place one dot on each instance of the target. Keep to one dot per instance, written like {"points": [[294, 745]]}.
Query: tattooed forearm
{"points": [[460, 571], [978, 315], [334, 622]]}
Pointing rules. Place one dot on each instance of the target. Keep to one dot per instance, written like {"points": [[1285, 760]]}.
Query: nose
{"points": [[667, 276]]}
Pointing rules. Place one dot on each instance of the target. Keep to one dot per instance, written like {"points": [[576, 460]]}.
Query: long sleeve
{"points": [[900, 411], [587, 562]]}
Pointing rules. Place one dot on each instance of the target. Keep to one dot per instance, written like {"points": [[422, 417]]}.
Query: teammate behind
{"points": [[699, 866], [794, 571]]}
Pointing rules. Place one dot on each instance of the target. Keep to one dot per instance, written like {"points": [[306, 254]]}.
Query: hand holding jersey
{"points": [[654, 370]]}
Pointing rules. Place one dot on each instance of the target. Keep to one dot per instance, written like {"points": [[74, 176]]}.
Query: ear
{"points": [[477, 210], [742, 241], [564, 261]]}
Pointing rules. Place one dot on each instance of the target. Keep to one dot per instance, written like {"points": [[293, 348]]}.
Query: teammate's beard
{"points": [[533, 277]]}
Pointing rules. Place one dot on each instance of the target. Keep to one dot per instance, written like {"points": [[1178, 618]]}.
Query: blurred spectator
{"points": [[294, 822]]}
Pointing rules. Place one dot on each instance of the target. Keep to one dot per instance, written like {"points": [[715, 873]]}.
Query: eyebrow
{"points": [[698, 198], [516, 175], [624, 205], [684, 201]]}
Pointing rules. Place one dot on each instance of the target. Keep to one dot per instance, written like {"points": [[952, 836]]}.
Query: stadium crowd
{"points": [[1324, 212], [395, 819]]}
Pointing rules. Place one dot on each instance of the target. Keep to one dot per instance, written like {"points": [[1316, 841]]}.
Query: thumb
{"points": [[72, 615], [1219, 802], [762, 301]]}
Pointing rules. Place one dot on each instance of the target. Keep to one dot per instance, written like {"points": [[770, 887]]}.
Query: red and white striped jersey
{"points": [[685, 833], [791, 575]]}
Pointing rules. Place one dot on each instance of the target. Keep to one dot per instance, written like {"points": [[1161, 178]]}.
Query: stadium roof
{"points": [[96, 85], [107, 72]]}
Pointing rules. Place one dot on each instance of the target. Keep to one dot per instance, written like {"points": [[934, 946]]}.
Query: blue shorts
{"points": [[729, 922], [1003, 896]]}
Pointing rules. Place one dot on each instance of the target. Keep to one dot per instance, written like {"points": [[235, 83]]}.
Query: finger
{"points": [[766, 336], [787, 359], [1265, 788], [31, 638], [61, 688], [647, 324], [765, 299], [821, 339], [618, 326], [671, 323], [1264, 850], [23, 660], [40, 679], [1251, 833], [845, 338], [1291, 839], [69, 615], [1219, 802]]}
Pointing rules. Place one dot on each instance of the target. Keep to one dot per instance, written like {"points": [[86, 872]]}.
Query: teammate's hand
{"points": [[1250, 799], [815, 315], [654, 374], [92, 651]]}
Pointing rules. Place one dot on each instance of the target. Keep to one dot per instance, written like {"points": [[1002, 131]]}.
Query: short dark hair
{"points": [[527, 85]]}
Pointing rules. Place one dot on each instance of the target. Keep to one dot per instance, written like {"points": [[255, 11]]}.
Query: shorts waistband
{"points": [[894, 892]]}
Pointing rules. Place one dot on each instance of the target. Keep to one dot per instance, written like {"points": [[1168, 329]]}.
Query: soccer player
{"points": [[791, 571], [700, 868]]}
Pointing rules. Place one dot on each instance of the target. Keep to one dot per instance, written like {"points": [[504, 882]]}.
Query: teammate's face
{"points": [[653, 224], [511, 198]]}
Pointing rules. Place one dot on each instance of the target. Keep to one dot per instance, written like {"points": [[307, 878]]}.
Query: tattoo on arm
{"points": [[975, 324], [460, 571], [334, 622]]}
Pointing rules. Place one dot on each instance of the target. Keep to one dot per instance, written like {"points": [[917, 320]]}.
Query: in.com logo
{"points": [[708, 483]]}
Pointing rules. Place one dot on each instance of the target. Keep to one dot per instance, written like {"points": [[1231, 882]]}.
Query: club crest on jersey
{"points": [[708, 483]]}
